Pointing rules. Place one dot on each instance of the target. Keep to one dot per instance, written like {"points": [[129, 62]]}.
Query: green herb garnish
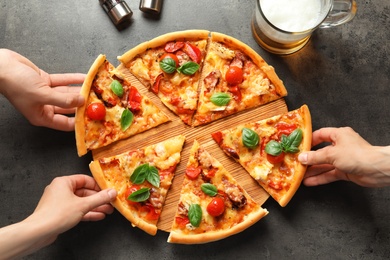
{"points": [[140, 195], [188, 68], [168, 65], [195, 214], [126, 119], [250, 138], [117, 88], [146, 172], [209, 189], [287, 144], [220, 99]]}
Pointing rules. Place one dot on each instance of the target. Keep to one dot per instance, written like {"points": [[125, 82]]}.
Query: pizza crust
{"points": [[176, 237], [256, 58], [161, 40], [299, 172], [80, 111], [136, 222]]}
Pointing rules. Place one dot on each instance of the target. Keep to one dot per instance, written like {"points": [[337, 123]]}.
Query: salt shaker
{"points": [[117, 10]]}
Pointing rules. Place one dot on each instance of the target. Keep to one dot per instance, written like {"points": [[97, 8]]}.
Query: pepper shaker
{"points": [[117, 10], [150, 6]]}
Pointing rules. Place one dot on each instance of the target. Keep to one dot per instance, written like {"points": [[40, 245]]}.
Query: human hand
{"points": [[44, 99], [349, 157]]}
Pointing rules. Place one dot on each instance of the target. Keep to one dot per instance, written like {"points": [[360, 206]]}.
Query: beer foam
{"points": [[292, 15]]}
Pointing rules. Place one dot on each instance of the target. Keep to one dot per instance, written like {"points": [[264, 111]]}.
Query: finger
{"points": [[64, 111], [99, 199], [318, 169], [82, 181], [64, 100], [324, 178], [67, 89], [323, 135], [66, 79], [60, 122], [93, 216], [321, 156]]}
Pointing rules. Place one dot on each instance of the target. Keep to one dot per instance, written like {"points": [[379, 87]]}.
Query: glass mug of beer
{"points": [[285, 26]]}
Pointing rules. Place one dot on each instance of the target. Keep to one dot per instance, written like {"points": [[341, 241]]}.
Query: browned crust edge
{"points": [[98, 175], [79, 116], [306, 146], [255, 216], [257, 59], [161, 40]]}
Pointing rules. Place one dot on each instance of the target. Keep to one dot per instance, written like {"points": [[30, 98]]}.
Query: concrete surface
{"points": [[342, 74]]}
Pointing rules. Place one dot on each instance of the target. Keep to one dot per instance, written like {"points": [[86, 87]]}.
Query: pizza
{"points": [[142, 178], [268, 149], [170, 66], [202, 76], [234, 78], [114, 109], [212, 204]]}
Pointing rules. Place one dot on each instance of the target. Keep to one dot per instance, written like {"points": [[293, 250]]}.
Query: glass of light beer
{"points": [[285, 26]]}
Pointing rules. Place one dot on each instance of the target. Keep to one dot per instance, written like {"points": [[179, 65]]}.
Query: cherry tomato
{"points": [[217, 136], [173, 46], [129, 191], [182, 221], [234, 75], [275, 159], [237, 95], [193, 172], [96, 111], [216, 207], [172, 56], [134, 99], [156, 85], [285, 129], [193, 52], [152, 213]]}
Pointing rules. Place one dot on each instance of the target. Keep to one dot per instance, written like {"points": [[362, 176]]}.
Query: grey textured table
{"points": [[342, 74]]}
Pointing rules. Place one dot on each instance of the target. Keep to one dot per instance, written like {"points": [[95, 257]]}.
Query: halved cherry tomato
{"points": [[275, 159], [217, 136], [182, 221], [172, 56], [152, 213], [129, 191], [193, 172], [285, 129], [193, 52], [96, 111], [134, 99], [156, 85], [234, 75], [216, 207], [173, 46]]}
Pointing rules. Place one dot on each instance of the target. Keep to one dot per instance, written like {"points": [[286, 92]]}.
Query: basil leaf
{"points": [[140, 173], [195, 214], [126, 119], [250, 138], [168, 65], [188, 68], [209, 189], [153, 177], [273, 148], [140, 195], [220, 99], [295, 139], [117, 88]]}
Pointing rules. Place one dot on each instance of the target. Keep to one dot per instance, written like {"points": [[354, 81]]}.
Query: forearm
{"points": [[380, 162], [24, 238]]}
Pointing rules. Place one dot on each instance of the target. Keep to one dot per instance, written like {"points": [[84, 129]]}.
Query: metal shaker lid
{"points": [[118, 11], [150, 6]]}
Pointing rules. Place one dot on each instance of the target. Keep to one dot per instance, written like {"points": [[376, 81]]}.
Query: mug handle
{"points": [[342, 11]]}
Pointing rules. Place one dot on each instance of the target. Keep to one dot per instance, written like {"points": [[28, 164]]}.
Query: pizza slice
{"points": [[212, 204], [170, 66], [142, 178], [113, 110], [268, 150], [234, 78]]}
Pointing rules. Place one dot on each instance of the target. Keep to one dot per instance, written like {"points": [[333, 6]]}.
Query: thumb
{"points": [[100, 198]]}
